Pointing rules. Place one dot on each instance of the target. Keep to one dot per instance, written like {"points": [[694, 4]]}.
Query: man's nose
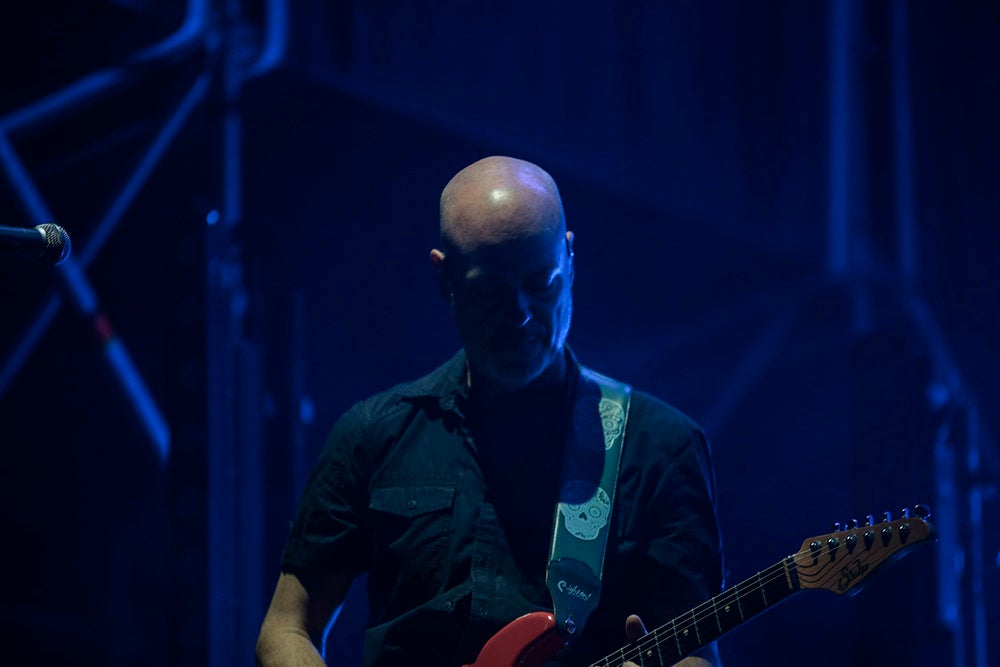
{"points": [[519, 308]]}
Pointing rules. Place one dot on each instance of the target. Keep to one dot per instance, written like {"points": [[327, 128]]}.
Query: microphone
{"points": [[47, 242]]}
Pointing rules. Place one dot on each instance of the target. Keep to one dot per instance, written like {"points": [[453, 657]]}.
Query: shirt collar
{"points": [[448, 382]]}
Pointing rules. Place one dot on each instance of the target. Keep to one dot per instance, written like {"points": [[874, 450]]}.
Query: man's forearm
{"points": [[287, 648]]}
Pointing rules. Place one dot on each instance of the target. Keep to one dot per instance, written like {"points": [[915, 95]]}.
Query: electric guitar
{"points": [[839, 561]]}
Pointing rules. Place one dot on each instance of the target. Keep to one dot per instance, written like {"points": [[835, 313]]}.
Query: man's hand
{"points": [[634, 630]]}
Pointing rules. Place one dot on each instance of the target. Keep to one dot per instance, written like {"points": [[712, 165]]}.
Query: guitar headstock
{"points": [[840, 561]]}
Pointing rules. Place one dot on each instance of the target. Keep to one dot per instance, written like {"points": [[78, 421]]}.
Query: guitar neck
{"points": [[710, 620]]}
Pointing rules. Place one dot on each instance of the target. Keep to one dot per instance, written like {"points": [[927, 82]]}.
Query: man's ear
{"points": [[569, 252], [444, 286]]}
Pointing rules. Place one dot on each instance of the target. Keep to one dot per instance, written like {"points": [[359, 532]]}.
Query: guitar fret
{"points": [[677, 637], [687, 640], [647, 650], [694, 622], [751, 597], [606, 661], [646, 646], [705, 629], [727, 614], [761, 587], [792, 574]]}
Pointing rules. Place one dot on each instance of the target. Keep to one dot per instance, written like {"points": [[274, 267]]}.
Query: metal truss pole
{"points": [[959, 484], [960, 445], [233, 444], [978, 489], [840, 141], [233, 372], [962, 482]]}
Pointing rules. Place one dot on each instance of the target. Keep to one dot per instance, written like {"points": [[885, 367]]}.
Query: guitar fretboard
{"points": [[707, 622]]}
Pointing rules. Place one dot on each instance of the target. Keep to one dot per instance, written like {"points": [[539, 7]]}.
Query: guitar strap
{"points": [[587, 489]]}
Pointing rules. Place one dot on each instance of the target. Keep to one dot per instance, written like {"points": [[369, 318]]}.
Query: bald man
{"points": [[443, 490]]}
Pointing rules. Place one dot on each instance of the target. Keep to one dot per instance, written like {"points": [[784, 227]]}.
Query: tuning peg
{"points": [[836, 526], [855, 523], [886, 517], [870, 519], [923, 511], [906, 512]]}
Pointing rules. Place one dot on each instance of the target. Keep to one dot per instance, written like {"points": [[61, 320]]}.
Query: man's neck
{"points": [[549, 385], [511, 424]]}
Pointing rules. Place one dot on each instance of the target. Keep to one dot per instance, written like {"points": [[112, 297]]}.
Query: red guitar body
{"points": [[524, 642]]}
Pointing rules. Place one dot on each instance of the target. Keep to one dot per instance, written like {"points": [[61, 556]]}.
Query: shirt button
{"points": [[411, 503]]}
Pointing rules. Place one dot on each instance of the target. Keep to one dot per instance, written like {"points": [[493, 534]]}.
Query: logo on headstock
{"points": [[851, 573]]}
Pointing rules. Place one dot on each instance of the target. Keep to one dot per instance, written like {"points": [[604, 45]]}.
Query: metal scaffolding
{"points": [[234, 596]]}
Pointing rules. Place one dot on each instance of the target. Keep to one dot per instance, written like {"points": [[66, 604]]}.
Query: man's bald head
{"points": [[509, 271], [499, 199]]}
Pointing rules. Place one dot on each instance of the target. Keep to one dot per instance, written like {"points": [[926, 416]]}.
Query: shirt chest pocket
{"points": [[413, 528]]}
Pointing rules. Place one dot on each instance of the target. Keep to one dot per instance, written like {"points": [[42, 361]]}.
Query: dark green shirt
{"points": [[453, 528]]}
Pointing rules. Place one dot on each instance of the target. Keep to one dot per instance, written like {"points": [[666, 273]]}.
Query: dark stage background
{"points": [[786, 218]]}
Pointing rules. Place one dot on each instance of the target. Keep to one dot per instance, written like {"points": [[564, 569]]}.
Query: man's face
{"points": [[513, 305]]}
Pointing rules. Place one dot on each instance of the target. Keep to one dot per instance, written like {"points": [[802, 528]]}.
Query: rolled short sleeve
{"points": [[329, 532]]}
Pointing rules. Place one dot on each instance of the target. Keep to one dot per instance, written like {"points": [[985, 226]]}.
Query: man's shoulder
{"points": [[441, 383], [657, 411], [656, 423], [646, 406], [659, 433], [373, 421]]}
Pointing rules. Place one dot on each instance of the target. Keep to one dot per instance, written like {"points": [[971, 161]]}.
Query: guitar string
{"points": [[708, 608]]}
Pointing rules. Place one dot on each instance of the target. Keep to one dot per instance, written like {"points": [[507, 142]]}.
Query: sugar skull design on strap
{"points": [[586, 518]]}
